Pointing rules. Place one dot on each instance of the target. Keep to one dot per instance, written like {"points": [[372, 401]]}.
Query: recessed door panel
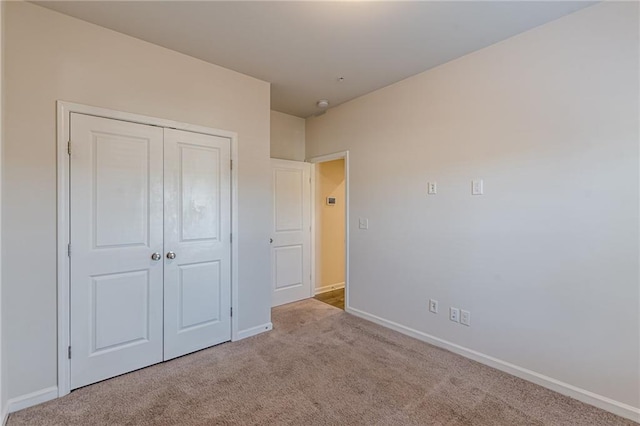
{"points": [[116, 207], [197, 280], [200, 295], [291, 232], [121, 190], [288, 265], [200, 190], [128, 295], [289, 199]]}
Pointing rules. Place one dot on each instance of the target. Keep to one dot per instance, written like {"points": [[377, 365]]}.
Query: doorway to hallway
{"points": [[334, 298], [330, 231]]}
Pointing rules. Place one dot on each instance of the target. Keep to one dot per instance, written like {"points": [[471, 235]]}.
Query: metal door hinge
{"points": [[69, 249], [231, 310], [69, 351], [69, 147], [231, 164], [230, 238]]}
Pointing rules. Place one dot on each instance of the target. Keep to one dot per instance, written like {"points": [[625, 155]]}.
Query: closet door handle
{"points": [[156, 256], [171, 255]]}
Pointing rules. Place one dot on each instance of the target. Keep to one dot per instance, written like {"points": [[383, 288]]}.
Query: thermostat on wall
{"points": [[331, 201]]}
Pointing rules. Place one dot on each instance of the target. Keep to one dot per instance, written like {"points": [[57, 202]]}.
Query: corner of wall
{"points": [[3, 393], [287, 136], [254, 331]]}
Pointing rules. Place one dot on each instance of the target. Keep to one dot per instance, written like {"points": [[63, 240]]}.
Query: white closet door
{"points": [[291, 245], [116, 215], [197, 242]]}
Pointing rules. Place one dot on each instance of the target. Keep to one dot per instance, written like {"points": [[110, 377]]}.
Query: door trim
{"points": [[321, 159], [64, 110]]}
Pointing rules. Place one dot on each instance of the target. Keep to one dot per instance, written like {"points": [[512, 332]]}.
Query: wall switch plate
{"points": [[433, 306], [454, 314], [432, 188], [363, 223], [465, 317], [477, 187]]}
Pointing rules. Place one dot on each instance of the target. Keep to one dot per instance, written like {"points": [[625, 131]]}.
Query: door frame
{"points": [[341, 155], [64, 110]]}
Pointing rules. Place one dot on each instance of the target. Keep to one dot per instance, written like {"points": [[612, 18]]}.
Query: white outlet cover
{"points": [[363, 223], [454, 314], [465, 317], [432, 188]]}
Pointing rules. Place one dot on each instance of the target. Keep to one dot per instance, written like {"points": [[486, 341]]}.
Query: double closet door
{"points": [[150, 252]]}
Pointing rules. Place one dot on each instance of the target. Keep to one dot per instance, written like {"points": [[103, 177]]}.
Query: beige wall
{"points": [[547, 259], [330, 225], [287, 136], [50, 56]]}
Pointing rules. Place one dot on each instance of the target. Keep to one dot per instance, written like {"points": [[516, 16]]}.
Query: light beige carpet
{"points": [[319, 366]]}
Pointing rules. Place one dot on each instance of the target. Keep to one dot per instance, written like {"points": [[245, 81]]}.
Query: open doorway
{"points": [[330, 229]]}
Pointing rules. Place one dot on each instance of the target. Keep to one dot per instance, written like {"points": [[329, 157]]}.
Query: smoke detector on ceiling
{"points": [[323, 103]]}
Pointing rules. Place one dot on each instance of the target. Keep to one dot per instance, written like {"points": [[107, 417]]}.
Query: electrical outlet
{"points": [[363, 223], [432, 188], [433, 306], [454, 314], [465, 317]]}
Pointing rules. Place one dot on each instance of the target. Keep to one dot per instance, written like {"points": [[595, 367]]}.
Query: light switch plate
{"points": [[477, 187], [363, 223]]}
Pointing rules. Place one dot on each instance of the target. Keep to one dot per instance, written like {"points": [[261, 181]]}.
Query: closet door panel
{"points": [[116, 205], [197, 282]]}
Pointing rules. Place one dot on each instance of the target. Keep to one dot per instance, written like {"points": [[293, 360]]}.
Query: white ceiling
{"points": [[302, 48]]}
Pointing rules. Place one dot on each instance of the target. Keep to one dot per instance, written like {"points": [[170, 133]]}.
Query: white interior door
{"points": [[116, 204], [197, 223], [150, 245], [291, 233]]}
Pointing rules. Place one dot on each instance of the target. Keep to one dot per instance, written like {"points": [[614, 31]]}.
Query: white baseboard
{"points": [[588, 397], [31, 399], [243, 334], [330, 287]]}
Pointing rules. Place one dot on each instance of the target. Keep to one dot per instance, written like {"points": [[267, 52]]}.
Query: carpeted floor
{"points": [[319, 366]]}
